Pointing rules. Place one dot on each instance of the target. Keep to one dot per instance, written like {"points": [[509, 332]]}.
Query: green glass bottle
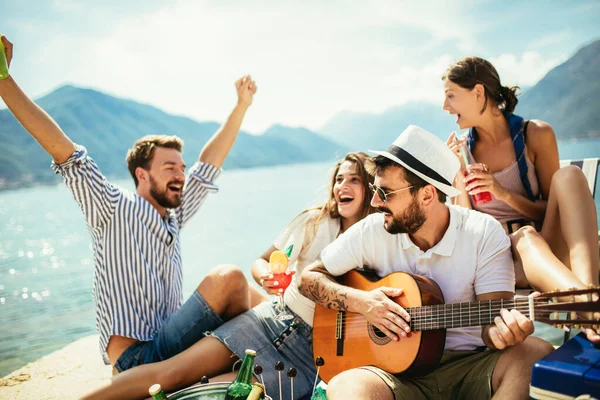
{"points": [[241, 387], [319, 394], [157, 393]]}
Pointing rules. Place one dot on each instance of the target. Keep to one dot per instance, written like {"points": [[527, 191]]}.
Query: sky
{"points": [[311, 60]]}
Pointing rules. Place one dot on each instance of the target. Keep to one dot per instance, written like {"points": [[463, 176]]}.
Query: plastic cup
{"points": [[478, 198]]}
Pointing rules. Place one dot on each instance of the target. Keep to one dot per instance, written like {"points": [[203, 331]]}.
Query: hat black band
{"points": [[415, 164]]}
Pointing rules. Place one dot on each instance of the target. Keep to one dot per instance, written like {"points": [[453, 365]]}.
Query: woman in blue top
{"points": [[564, 253]]}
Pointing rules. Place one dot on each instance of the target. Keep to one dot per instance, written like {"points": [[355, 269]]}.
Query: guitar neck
{"points": [[457, 315]]}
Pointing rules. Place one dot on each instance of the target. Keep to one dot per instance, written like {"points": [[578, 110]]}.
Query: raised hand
{"points": [[246, 88], [389, 317], [455, 144]]}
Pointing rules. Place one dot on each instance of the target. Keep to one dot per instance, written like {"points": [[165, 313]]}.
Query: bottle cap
{"points": [[154, 389], [251, 352]]}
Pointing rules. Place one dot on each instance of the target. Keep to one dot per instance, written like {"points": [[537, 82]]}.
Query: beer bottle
{"points": [[157, 393], [257, 392], [241, 387]]}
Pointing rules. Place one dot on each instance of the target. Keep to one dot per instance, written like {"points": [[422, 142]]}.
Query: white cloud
{"points": [[309, 61], [420, 82], [525, 69]]}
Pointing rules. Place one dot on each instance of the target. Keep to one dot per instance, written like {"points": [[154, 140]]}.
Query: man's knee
{"points": [[358, 384], [226, 278], [517, 361], [527, 353], [537, 348]]}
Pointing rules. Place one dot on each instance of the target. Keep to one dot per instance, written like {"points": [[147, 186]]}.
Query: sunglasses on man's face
{"points": [[383, 195]]}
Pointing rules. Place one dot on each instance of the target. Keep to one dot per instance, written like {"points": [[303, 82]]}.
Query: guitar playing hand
{"points": [[509, 329], [379, 310]]}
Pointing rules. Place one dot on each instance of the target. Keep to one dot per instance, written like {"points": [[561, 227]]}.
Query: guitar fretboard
{"points": [[442, 316]]}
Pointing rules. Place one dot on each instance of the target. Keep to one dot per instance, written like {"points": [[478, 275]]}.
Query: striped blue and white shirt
{"points": [[137, 255]]}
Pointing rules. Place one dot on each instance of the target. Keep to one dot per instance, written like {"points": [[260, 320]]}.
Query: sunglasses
{"points": [[382, 194]]}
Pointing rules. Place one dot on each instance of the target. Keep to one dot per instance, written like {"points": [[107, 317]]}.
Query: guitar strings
{"points": [[428, 316]]}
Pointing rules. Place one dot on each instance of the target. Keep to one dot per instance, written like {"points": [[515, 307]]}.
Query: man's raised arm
{"points": [[35, 120], [216, 149]]}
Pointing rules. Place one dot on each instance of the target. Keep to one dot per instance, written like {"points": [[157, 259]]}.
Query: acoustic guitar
{"points": [[346, 340]]}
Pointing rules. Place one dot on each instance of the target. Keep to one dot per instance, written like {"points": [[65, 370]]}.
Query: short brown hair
{"points": [[143, 151], [381, 163]]}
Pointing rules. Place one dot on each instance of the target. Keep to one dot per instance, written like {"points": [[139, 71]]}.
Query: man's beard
{"points": [[408, 222], [161, 196]]}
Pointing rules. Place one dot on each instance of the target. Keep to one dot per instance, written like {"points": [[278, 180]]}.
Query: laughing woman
{"points": [[517, 162], [275, 340]]}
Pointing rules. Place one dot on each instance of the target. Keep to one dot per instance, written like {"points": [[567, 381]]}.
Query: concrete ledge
{"points": [[68, 373]]}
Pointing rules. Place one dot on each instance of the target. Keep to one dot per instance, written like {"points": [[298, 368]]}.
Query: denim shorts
{"points": [[194, 319], [289, 341]]}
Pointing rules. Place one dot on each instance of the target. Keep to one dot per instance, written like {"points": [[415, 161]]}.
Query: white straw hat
{"points": [[426, 156]]}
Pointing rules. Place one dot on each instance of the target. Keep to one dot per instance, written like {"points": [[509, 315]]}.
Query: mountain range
{"points": [[568, 97], [107, 126]]}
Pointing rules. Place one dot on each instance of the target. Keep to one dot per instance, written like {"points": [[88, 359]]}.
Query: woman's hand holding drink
{"points": [[477, 197], [468, 168], [278, 263]]}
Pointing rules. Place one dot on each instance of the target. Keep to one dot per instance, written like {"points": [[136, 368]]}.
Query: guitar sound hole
{"points": [[377, 336], [378, 332]]}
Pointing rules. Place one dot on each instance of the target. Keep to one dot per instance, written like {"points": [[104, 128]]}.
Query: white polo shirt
{"points": [[473, 258]]}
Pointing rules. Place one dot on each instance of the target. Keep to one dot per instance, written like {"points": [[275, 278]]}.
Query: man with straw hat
{"points": [[467, 253]]}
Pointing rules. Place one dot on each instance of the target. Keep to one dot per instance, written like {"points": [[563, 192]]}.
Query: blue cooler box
{"points": [[570, 371]]}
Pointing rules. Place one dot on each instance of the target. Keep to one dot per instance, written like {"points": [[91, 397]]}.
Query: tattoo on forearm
{"points": [[325, 291]]}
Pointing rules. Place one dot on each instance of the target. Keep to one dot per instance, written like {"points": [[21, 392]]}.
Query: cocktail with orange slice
{"points": [[278, 263]]}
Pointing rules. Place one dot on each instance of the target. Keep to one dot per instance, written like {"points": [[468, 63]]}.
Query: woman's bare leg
{"points": [[208, 357], [543, 270], [570, 225]]}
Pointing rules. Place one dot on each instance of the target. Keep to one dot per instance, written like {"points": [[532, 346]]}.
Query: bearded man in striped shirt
{"points": [[138, 274]]}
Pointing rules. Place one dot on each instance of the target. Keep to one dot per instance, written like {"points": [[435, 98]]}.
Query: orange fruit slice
{"points": [[278, 262]]}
